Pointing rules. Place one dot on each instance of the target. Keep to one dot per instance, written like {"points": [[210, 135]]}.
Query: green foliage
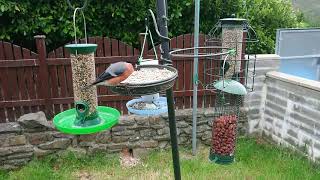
{"points": [[21, 20]]}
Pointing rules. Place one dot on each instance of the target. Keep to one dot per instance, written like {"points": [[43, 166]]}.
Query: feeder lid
{"points": [[65, 121], [81, 48], [232, 21], [231, 86]]}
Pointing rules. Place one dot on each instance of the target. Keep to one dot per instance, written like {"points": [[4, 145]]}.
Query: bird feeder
{"points": [[148, 105], [87, 117], [230, 81]]}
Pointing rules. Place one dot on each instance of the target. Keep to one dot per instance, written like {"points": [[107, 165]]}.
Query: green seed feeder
{"points": [[87, 117]]}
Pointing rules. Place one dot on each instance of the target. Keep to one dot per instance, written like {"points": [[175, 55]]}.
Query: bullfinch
{"points": [[114, 74]]}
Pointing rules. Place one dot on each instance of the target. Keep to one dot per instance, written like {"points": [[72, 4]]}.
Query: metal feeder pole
{"points": [[163, 28], [195, 77]]}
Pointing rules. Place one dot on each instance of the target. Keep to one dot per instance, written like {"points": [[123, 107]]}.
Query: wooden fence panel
{"points": [[14, 80], [21, 84]]}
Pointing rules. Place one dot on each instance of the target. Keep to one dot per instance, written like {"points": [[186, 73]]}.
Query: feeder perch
{"points": [[87, 117]]}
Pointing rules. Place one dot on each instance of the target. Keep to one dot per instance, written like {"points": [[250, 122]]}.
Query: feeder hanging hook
{"points": [[83, 7]]}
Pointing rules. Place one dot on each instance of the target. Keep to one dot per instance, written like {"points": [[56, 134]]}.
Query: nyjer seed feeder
{"points": [[87, 117]]}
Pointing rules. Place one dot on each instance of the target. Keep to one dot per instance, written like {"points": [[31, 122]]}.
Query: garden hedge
{"points": [[20, 20]]}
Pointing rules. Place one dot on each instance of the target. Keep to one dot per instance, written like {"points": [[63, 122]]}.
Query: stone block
{"points": [[62, 135], [147, 144], [126, 120], [56, 144], [17, 140], [163, 144], [5, 152], [209, 112], [97, 148], [163, 131], [87, 138], [120, 139], [38, 153], [39, 138], [187, 130], [203, 128], [273, 114], [123, 133], [182, 124], [27, 155], [165, 137], [34, 121], [116, 146], [119, 128], [137, 127], [276, 91], [103, 137], [292, 133], [307, 130], [182, 140], [18, 162], [140, 120], [148, 133], [303, 119], [11, 127], [156, 121], [275, 107]]}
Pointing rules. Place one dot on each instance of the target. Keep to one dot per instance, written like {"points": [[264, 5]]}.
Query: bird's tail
{"points": [[99, 82]]}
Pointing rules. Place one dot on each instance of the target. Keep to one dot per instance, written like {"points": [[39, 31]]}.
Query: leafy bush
{"points": [[21, 20]]}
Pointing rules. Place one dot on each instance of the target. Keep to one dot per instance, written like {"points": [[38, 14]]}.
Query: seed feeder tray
{"points": [[146, 88], [67, 121], [156, 107]]}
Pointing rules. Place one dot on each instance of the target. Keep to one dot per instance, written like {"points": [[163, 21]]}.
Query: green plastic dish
{"points": [[65, 121], [220, 159], [231, 86], [81, 48]]}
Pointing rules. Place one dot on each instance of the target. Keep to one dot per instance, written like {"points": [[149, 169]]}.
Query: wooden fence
{"points": [[31, 82]]}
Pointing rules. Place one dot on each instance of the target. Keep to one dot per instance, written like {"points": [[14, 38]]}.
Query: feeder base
{"points": [[66, 121], [219, 159]]}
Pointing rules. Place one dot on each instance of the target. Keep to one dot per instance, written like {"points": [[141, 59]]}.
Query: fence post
{"points": [[44, 74]]}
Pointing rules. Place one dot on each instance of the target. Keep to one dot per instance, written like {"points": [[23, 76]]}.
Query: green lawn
{"points": [[255, 160]]}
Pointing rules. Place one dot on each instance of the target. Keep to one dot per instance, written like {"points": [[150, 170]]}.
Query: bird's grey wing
{"points": [[116, 69]]}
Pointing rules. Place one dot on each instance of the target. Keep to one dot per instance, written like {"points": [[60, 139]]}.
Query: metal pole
{"points": [[195, 77], [163, 28]]}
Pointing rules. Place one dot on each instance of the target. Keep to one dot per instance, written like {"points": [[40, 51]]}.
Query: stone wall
{"points": [[291, 113], [34, 136], [254, 101]]}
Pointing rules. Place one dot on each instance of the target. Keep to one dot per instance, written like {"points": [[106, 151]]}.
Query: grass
{"points": [[255, 159]]}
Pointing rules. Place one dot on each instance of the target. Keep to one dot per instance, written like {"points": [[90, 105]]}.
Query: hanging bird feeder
{"points": [[87, 117], [233, 76], [148, 105]]}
